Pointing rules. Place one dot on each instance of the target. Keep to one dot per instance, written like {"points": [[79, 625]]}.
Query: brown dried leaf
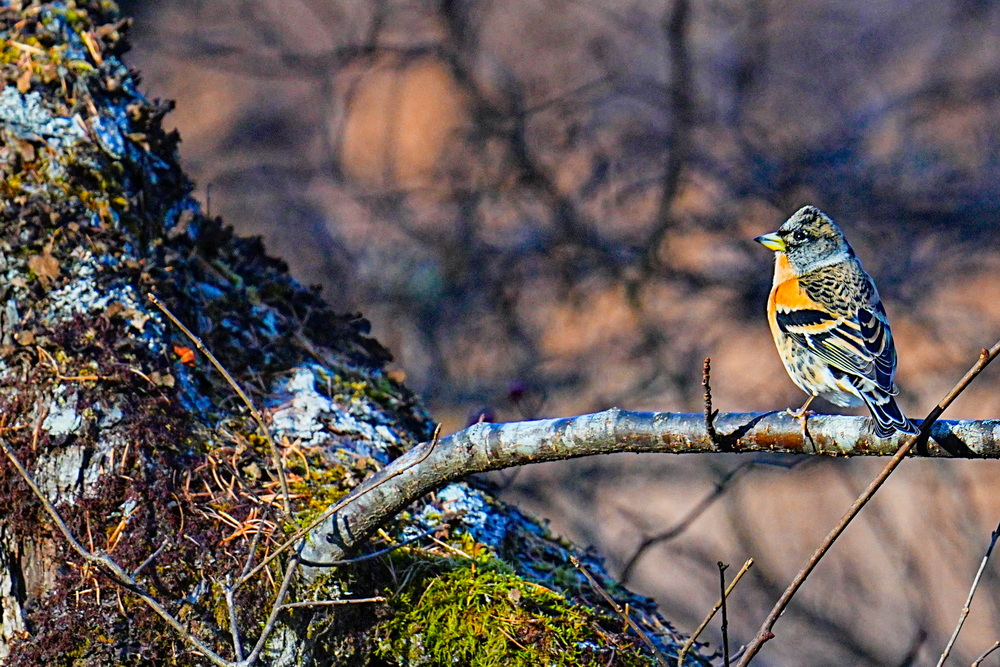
{"points": [[45, 266], [27, 150], [162, 379], [24, 81]]}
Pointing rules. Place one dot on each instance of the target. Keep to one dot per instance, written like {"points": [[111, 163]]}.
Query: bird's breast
{"points": [[782, 269]]}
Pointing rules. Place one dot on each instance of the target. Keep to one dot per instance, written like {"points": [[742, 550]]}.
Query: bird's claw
{"points": [[803, 414]]}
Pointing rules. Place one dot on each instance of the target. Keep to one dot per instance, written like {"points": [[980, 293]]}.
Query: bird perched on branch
{"points": [[828, 322]]}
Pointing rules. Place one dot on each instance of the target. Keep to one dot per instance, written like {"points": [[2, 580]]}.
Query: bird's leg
{"points": [[802, 414]]}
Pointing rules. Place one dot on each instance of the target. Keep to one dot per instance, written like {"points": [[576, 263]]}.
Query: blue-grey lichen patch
{"points": [[86, 293], [26, 117], [469, 508], [108, 416], [107, 129], [300, 412], [58, 473], [63, 417], [9, 321], [71, 470], [297, 411]]}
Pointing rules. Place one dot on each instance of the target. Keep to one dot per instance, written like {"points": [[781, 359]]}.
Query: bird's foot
{"points": [[803, 414]]}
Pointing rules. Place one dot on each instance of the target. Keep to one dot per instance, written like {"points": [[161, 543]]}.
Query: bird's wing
{"points": [[857, 342]]}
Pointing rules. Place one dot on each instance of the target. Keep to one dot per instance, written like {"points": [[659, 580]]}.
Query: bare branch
{"points": [[378, 554], [149, 560], [276, 609], [765, 633], [708, 619], [432, 445], [234, 628], [252, 551], [725, 616], [331, 603], [489, 446], [986, 654], [706, 379], [660, 658], [968, 601], [111, 568]]}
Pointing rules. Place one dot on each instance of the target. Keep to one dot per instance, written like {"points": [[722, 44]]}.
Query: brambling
{"points": [[828, 322]]}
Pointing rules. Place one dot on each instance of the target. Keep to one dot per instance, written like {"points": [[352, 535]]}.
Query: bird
{"points": [[828, 321]]}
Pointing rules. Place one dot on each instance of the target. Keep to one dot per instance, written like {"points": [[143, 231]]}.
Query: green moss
{"points": [[314, 493], [481, 614]]}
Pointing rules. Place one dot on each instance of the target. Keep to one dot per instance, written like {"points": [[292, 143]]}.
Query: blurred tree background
{"points": [[545, 207]]}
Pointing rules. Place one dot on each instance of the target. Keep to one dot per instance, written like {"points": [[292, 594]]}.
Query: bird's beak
{"points": [[771, 242]]}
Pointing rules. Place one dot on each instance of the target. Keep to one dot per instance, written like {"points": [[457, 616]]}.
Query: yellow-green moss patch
{"points": [[481, 614]]}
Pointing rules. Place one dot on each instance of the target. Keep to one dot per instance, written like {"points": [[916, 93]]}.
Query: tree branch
{"points": [[488, 446]]}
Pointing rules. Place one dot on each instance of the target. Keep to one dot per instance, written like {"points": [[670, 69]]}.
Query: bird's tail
{"points": [[887, 415]]}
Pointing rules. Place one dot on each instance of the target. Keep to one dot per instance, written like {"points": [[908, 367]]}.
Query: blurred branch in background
{"points": [[681, 526]]}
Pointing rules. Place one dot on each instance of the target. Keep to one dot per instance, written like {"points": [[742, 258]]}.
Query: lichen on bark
{"points": [[143, 447]]}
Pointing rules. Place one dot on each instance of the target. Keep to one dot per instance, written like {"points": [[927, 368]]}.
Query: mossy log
{"points": [[145, 452]]}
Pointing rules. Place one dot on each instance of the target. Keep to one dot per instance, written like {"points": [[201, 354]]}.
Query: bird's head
{"points": [[810, 240]]}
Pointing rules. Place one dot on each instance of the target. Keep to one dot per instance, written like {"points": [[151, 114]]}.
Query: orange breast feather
{"points": [[789, 295], [786, 293]]}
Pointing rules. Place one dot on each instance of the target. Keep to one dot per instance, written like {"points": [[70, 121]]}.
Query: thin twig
{"points": [[230, 589], [272, 619], [706, 373], [375, 554], [302, 532], [725, 615], [715, 608], [660, 658], [986, 654], [234, 628], [150, 559], [265, 431], [253, 543], [325, 603], [765, 633], [112, 569], [968, 600]]}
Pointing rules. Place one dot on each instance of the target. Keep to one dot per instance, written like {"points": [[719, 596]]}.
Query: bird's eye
{"points": [[799, 235]]}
